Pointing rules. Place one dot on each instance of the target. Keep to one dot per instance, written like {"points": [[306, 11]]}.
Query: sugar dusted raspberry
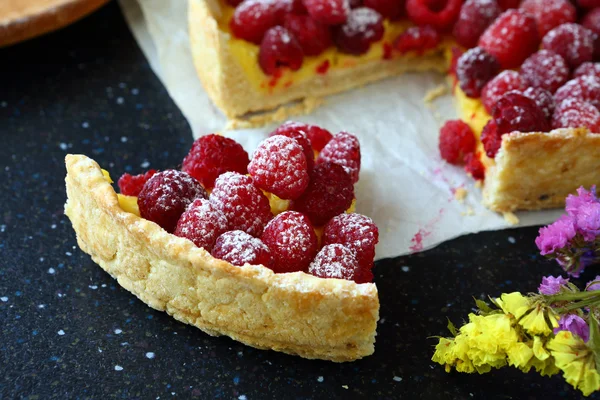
{"points": [[456, 141], [516, 112], [279, 166], [329, 12], [329, 193], [474, 69], [318, 137], [212, 155], [543, 99], [575, 113], [296, 7], [166, 195], [440, 14], [364, 275], [591, 20], [586, 88], [279, 49], [363, 27], [314, 37], [343, 149], [549, 14], [545, 69], [491, 138], [355, 231], [418, 38], [334, 261], [511, 38], [292, 241], [572, 41], [252, 18], [239, 248], [297, 131], [587, 68], [391, 9], [244, 205], [474, 167], [475, 16], [201, 223], [502, 83], [131, 185]]}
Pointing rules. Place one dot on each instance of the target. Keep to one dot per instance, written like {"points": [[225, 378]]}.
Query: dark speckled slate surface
{"points": [[69, 331]]}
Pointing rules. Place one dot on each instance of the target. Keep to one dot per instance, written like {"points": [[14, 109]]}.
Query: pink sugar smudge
{"points": [[439, 173], [424, 233]]}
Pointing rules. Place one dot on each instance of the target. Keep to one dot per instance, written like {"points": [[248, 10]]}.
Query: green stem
{"points": [[584, 303], [570, 296]]}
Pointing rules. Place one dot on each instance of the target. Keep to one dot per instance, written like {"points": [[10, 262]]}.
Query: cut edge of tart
{"points": [[294, 313]]}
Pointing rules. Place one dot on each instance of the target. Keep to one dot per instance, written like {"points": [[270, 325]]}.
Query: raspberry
{"points": [[252, 18], [586, 88], [545, 69], [591, 21], [418, 38], [355, 231], [506, 4], [511, 38], [391, 9], [329, 193], [239, 248], [549, 14], [329, 12], [314, 37], [212, 155], [364, 275], [297, 131], [343, 149], [363, 27], [334, 261], [474, 69], [504, 82], [456, 141], [440, 14], [474, 167], [575, 113], [318, 137], [587, 68], [588, 3], [279, 166], [279, 49], [516, 112], [201, 223], [491, 138], [166, 195], [572, 41], [131, 185], [543, 99], [244, 205], [474, 18], [292, 241], [296, 7]]}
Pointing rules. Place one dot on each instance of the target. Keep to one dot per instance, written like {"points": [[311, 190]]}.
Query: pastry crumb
{"points": [[470, 212], [511, 218], [435, 93], [460, 194]]}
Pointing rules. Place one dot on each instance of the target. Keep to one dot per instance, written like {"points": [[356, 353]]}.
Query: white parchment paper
{"points": [[404, 185]]}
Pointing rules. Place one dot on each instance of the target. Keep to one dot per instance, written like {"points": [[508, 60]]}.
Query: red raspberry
{"points": [[491, 138], [391, 9], [252, 18], [279, 49], [363, 27], [511, 38], [516, 112], [572, 41], [201, 223], [343, 149], [318, 137], [506, 4], [575, 113], [441, 14], [244, 205], [239, 248], [166, 196], [545, 69], [292, 241], [591, 21], [474, 167], [474, 18], [587, 68], [418, 38], [279, 166], [334, 261], [363, 275], [549, 14], [456, 141], [212, 155], [474, 69], [297, 131], [296, 7], [355, 231], [588, 3], [314, 37], [329, 193], [543, 99], [586, 88], [504, 82], [131, 185], [329, 12]]}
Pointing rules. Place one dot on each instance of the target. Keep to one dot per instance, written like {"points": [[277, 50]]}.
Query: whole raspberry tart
{"points": [[226, 254]]}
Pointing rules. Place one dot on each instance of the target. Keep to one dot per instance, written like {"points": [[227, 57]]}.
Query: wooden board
{"points": [[24, 19]]}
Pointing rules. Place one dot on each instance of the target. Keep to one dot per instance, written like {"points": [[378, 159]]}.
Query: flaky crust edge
{"points": [[294, 313]]}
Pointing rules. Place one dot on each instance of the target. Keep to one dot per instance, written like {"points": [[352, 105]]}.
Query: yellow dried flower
{"points": [[535, 322]]}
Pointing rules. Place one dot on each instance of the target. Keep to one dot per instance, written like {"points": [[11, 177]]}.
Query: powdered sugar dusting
{"points": [[356, 231], [239, 248], [201, 223], [586, 88], [572, 41], [343, 149], [545, 69], [334, 261]]}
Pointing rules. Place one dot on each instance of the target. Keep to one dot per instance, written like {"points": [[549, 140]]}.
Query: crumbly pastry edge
{"points": [[294, 313]]}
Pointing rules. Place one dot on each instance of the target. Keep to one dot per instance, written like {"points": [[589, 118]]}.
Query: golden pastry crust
{"points": [[294, 313]]}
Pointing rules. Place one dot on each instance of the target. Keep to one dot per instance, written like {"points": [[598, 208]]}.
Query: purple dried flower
{"points": [[595, 286], [588, 220], [551, 285], [575, 324], [556, 236], [574, 203]]}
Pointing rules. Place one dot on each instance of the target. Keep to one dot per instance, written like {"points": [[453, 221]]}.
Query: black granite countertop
{"points": [[70, 331]]}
